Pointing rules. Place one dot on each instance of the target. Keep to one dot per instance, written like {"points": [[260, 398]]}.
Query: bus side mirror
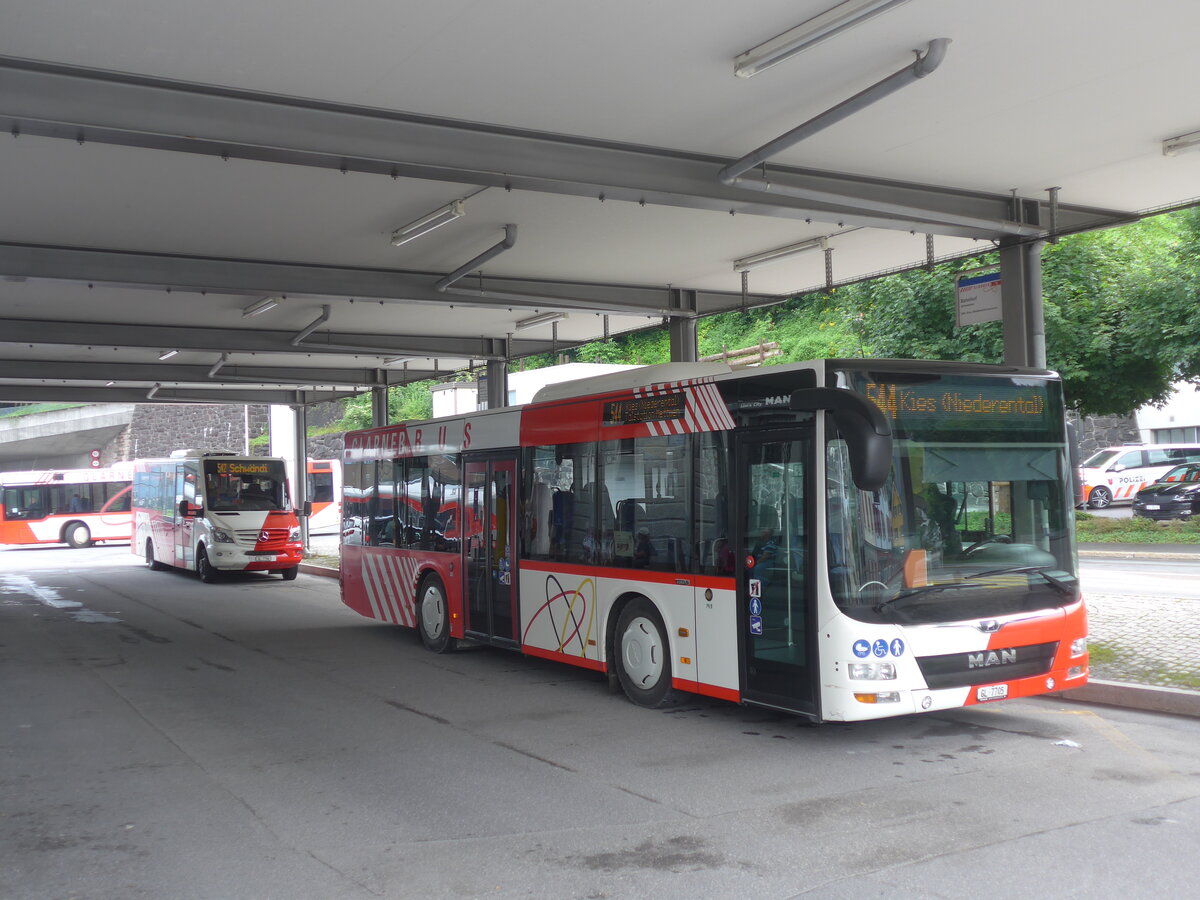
{"points": [[307, 509], [862, 423], [188, 510]]}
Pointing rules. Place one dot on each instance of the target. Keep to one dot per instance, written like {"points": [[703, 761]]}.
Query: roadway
{"points": [[256, 739]]}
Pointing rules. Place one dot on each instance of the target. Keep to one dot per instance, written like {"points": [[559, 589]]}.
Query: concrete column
{"points": [[682, 329], [1021, 303], [300, 416]]}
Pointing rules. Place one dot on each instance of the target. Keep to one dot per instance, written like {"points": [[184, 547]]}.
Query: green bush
{"points": [[1094, 529]]}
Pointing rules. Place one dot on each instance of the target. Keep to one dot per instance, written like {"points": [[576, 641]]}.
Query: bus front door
{"points": [[776, 627], [488, 547]]}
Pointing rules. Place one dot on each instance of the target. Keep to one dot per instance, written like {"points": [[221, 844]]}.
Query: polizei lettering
{"points": [[991, 658]]}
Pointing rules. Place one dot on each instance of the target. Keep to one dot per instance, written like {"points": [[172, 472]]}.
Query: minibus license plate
{"points": [[992, 692]]}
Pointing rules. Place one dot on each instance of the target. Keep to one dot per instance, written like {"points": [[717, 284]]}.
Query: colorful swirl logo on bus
{"points": [[569, 610]]}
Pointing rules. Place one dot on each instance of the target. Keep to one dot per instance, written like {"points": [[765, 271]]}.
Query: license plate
{"points": [[992, 692], [1150, 506]]}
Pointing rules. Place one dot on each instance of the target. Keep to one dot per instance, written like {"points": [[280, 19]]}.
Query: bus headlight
{"points": [[294, 533], [872, 671], [221, 536], [881, 697], [1079, 646]]}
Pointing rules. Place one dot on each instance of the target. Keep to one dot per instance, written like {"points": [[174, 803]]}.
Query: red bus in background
{"points": [[78, 507], [325, 495]]}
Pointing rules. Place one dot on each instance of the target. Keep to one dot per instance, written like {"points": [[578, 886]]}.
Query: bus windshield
{"points": [[975, 519], [245, 484]]}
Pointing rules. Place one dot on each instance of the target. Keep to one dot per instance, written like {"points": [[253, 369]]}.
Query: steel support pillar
{"points": [[497, 383], [379, 407], [682, 329], [300, 414], [1021, 303]]}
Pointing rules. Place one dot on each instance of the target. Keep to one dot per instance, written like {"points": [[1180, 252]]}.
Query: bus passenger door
{"points": [[776, 622], [488, 548], [185, 489]]}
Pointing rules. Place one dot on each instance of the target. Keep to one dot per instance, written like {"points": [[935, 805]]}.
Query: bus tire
{"points": [[77, 535], [643, 654], [433, 615], [1099, 498], [290, 574], [151, 563], [207, 572]]}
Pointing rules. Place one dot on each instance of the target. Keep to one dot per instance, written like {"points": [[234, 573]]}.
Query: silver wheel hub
{"points": [[642, 653], [433, 610]]}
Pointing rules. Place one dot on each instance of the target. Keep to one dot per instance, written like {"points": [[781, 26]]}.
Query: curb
{"points": [[1135, 554], [323, 571], [1174, 701]]}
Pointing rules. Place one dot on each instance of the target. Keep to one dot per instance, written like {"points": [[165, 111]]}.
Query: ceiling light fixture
{"points": [[167, 354], [257, 309], [543, 319], [426, 224], [109, 383], [767, 257], [1181, 144], [821, 26]]}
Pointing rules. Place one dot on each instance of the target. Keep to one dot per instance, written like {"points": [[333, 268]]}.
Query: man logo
{"points": [[989, 626], [991, 658]]}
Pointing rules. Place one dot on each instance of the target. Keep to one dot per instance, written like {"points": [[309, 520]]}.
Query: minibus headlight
{"points": [[872, 671], [294, 533], [221, 536]]}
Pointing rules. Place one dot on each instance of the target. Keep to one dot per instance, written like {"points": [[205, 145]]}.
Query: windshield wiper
{"points": [[923, 589], [1057, 583]]}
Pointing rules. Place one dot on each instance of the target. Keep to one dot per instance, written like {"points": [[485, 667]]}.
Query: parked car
{"points": [[1114, 474], [1175, 495]]}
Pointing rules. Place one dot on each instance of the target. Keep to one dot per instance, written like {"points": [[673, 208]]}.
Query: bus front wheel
{"points": [[77, 535], [433, 615], [642, 654], [206, 570]]}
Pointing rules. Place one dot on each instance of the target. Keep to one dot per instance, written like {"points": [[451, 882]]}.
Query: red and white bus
{"points": [[325, 495], [841, 539], [78, 507], [212, 512]]}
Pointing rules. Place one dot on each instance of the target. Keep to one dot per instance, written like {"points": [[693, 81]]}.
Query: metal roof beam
{"points": [[82, 104], [230, 373], [236, 340], [74, 394], [160, 271]]}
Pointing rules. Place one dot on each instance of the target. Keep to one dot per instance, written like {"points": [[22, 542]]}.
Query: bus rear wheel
{"points": [[643, 654], [152, 563], [433, 615], [77, 535], [208, 574]]}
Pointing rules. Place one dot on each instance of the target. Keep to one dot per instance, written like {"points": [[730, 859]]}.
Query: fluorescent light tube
{"points": [[1185, 142], [821, 26], [543, 319], [257, 309], [426, 224], [167, 354], [769, 256]]}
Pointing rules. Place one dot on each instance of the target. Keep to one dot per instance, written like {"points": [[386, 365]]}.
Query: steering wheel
{"points": [[990, 539]]}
